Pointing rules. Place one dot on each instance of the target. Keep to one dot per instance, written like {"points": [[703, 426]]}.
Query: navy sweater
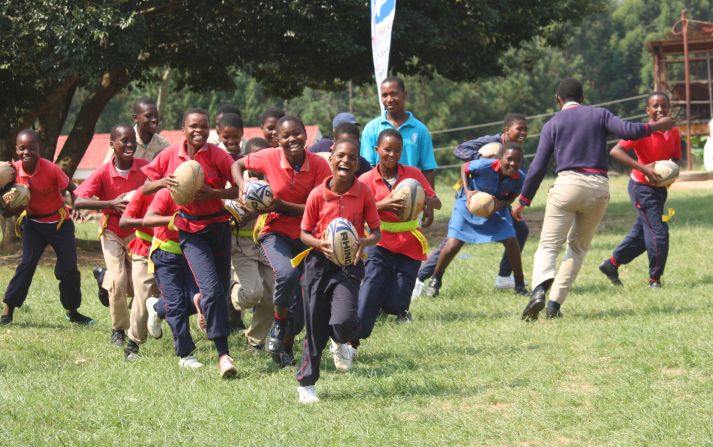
{"points": [[577, 137]]}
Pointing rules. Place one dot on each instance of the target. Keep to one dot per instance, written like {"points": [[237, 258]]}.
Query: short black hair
{"points": [[193, 110], [351, 141], [395, 79], [230, 120], [255, 144], [512, 118], [115, 129], [389, 133], [272, 112], [143, 101], [228, 108], [346, 128], [570, 89], [510, 145], [30, 132], [294, 119], [657, 93]]}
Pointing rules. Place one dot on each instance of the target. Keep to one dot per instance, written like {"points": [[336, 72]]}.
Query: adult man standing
{"points": [[577, 201]]}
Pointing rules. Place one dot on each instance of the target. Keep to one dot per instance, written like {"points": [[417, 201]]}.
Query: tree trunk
{"points": [[83, 130], [163, 91], [49, 124]]}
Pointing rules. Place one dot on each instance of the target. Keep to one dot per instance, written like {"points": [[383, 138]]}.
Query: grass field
{"points": [[629, 366]]}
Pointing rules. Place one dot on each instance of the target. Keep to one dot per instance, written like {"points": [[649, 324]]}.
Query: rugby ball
{"points": [[490, 150], [257, 195], [17, 197], [668, 170], [7, 173], [343, 237], [481, 204], [128, 196], [413, 196], [189, 176]]}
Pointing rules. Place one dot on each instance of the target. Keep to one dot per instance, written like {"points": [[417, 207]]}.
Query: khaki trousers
{"points": [[144, 287], [117, 279], [576, 204], [254, 283]]}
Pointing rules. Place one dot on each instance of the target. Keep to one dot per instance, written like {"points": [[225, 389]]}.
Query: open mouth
{"points": [[342, 169]]}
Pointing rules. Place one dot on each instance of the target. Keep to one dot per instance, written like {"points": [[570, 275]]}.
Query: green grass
{"points": [[629, 367]]}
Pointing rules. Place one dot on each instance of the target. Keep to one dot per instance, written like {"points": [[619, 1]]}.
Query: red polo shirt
{"points": [[357, 205], [655, 147], [163, 205], [287, 184], [216, 168], [403, 243], [46, 185], [136, 209], [106, 184]]}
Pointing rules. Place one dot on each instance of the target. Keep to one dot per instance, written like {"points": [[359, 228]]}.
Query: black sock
{"points": [[438, 276], [545, 285], [221, 344], [554, 306], [519, 280], [132, 346]]}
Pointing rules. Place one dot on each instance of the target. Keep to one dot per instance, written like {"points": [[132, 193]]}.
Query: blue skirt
{"points": [[467, 227]]}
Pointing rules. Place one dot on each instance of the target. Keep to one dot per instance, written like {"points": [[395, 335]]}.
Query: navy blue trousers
{"points": [[330, 307], [35, 238], [522, 231], [388, 282], [649, 233], [177, 286], [208, 256]]}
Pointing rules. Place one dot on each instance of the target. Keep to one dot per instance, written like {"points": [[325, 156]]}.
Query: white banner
{"points": [[382, 21]]}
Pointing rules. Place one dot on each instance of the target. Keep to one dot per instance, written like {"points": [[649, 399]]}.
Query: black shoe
{"points": [[522, 290], [131, 351], [551, 314], [277, 334], [80, 319], [434, 288], [5, 320], [118, 338], [655, 284], [405, 317], [284, 358], [611, 272], [536, 304], [103, 294]]}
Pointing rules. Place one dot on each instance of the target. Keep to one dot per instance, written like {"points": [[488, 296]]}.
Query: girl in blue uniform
{"points": [[502, 178]]}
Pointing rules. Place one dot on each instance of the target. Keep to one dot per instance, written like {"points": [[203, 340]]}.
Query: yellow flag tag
{"points": [[669, 215]]}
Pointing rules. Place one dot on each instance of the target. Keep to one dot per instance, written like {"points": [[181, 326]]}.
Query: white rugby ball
{"points": [[7, 173], [128, 196], [490, 150], [190, 178], [344, 240], [668, 170], [413, 196], [481, 204], [17, 197], [258, 195]]}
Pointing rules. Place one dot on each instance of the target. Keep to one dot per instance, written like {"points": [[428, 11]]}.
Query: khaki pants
{"points": [[576, 204], [117, 279], [144, 287], [254, 284]]}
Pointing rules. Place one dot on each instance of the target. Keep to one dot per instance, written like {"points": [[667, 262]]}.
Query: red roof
{"points": [[98, 147]]}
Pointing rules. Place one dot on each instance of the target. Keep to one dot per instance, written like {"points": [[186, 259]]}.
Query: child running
{"points": [[649, 233], [503, 179], [330, 291]]}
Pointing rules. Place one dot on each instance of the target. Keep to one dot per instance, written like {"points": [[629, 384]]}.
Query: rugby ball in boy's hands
{"points": [[189, 176], [258, 195], [344, 240], [490, 150], [128, 196], [668, 170], [481, 204], [413, 196], [7, 173], [17, 197]]}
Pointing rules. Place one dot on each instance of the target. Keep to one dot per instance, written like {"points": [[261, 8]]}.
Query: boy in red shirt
{"points": [[331, 291], [105, 190], [203, 228], [46, 223]]}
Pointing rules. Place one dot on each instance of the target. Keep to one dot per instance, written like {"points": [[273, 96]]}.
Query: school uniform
{"points": [[173, 277], [330, 291], [46, 223], [142, 279], [392, 264], [106, 183], [146, 150], [649, 233], [204, 231]]}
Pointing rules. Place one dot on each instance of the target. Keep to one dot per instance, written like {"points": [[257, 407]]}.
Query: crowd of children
{"points": [[216, 259]]}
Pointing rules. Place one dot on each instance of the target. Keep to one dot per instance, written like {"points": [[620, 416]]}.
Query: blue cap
{"points": [[343, 117]]}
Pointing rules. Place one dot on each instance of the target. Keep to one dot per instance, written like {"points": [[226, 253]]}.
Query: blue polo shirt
{"points": [[418, 147]]}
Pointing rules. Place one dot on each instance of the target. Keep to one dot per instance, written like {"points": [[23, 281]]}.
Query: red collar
{"points": [[183, 154], [495, 166], [328, 194], [114, 173], [285, 164]]}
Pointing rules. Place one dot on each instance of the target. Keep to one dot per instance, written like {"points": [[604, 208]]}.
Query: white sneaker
{"points": [[307, 394], [504, 282], [342, 356], [353, 352], [153, 324], [417, 289], [189, 362]]}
